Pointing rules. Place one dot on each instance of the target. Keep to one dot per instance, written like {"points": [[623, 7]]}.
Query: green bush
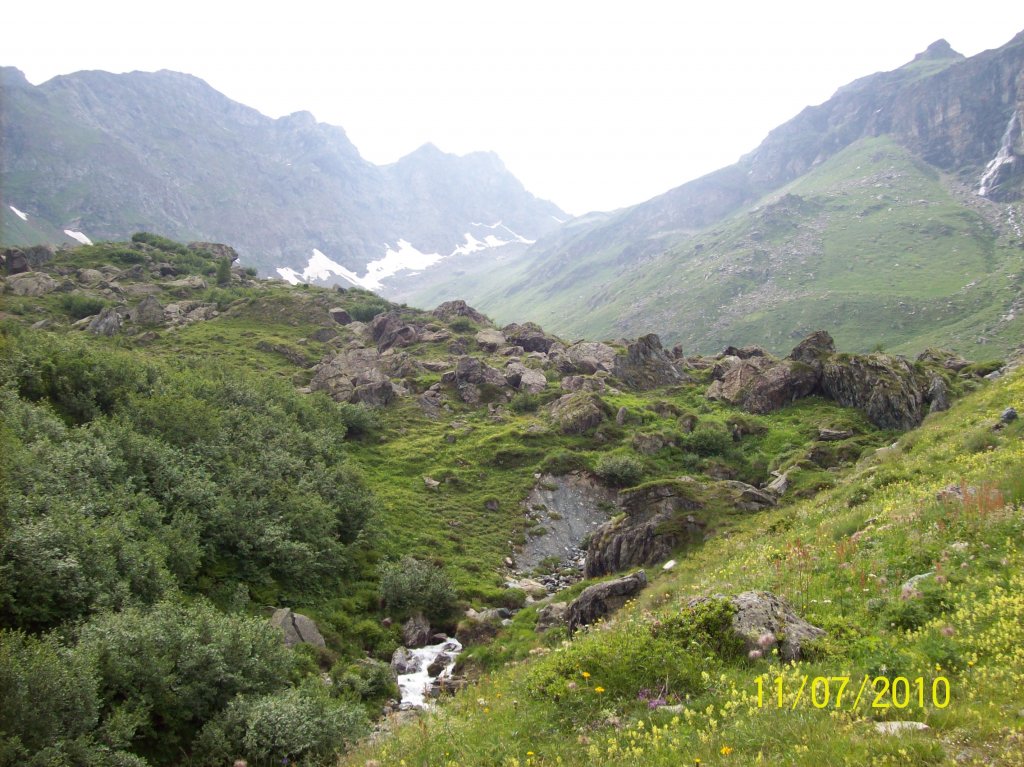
{"points": [[525, 402], [707, 439], [366, 680], [411, 585], [79, 306], [619, 470], [562, 462]]}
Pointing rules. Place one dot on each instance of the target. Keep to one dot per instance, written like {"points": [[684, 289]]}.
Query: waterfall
{"points": [[1003, 157], [415, 685]]}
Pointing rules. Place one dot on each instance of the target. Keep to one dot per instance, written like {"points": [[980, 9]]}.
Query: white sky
{"points": [[594, 105]]}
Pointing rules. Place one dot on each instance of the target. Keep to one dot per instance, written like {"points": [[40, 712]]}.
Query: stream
{"points": [[415, 685]]}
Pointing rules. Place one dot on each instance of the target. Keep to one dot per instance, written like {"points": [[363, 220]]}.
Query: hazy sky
{"points": [[594, 105]]}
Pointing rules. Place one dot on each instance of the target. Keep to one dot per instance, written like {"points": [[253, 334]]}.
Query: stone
{"points": [[937, 395], [323, 335], [355, 375], [297, 628], [106, 323], [149, 311], [490, 340], [529, 335], [216, 249], [648, 444], [779, 485], [762, 384], [578, 412], [646, 366], [404, 662], [449, 310], [765, 622], [943, 358], [341, 316], [439, 664], [525, 379], [622, 416], [897, 728], [551, 615], [15, 261], [431, 483], [1008, 416], [583, 383], [31, 284], [192, 282], [834, 435], [585, 358], [747, 497], [89, 276], [416, 631], [389, 330], [887, 389], [602, 599], [658, 520]]}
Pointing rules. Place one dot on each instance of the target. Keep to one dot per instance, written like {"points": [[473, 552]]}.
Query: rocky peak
{"points": [[940, 49]]}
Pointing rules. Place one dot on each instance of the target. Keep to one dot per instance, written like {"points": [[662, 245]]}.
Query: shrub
{"points": [[79, 306], [410, 585], [524, 402], [462, 325], [366, 680], [707, 439], [562, 462], [619, 470]]}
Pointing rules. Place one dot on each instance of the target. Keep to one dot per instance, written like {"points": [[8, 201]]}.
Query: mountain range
{"points": [[105, 155], [890, 214]]}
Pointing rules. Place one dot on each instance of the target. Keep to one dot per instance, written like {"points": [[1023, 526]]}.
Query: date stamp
{"points": [[850, 693]]}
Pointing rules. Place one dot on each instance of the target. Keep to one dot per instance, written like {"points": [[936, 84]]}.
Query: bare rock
{"points": [[585, 358], [449, 310], [106, 323], [518, 376], [578, 412], [297, 628], [31, 284], [354, 375], [646, 366], [529, 335], [416, 631], [404, 662], [490, 340], [149, 311], [898, 728], [341, 316], [554, 614], [601, 599]]}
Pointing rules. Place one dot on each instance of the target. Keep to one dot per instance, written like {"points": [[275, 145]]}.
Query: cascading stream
{"points": [[1004, 156]]}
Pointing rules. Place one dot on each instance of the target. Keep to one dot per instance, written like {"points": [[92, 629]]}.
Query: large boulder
{"points": [[601, 599], [354, 375], [449, 310], [586, 358], [889, 390], [658, 520], [31, 284], [552, 615], [106, 323], [389, 329], [761, 384], [528, 335], [216, 249], [578, 412], [764, 622], [518, 376], [490, 340], [416, 631], [645, 365], [149, 311], [297, 628]]}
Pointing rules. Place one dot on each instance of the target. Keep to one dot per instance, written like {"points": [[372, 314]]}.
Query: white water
{"points": [[23, 216], [1003, 157], [415, 686]]}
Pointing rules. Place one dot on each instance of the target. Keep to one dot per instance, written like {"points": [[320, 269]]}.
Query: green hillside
{"points": [[188, 449], [873, 245]]}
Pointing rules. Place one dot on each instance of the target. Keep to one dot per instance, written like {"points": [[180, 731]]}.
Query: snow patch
{"points": [[18, 213], [78, 236]]}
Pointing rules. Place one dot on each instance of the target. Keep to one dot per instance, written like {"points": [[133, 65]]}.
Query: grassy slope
{"points": [[880, 249], [841, 559]]}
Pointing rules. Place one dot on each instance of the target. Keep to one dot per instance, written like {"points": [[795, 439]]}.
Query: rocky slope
{"points": [[108, 155]]}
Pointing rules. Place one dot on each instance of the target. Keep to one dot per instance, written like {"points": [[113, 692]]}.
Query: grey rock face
{"points": [[518, 376], [646, 366], [106, 323], [602, 599], [354, 375], [416, 632], [31, 284], [529, 335], [297, 628], [149, 311], [578, 412], [449, 310]]}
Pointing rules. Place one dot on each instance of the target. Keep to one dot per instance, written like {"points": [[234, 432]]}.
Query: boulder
{"points": [[518, 376], [944, 359], [890, 392], [586, 358], [339, 315], [765, 622], [192, 282], [549, 616], [15, 261], [216, 249], [578, 412], [354, 375], [89, 276], [449, 310], [439, 664], [388, 330], [106, 323], [646, 366], [747, 497], [744, 352], [657, 521], [404, 662], [490, 340], [529, 335], [834, 435], [297, 628], [601, 599], [416, 631], [763, 384], [149, 311], [583, 383], [31, 284]]}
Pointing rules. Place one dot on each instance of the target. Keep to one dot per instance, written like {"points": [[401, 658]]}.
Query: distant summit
{"points": [[940, 49], [111, 154]]}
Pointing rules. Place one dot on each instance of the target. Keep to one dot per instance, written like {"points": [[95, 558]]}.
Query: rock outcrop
{"points": [[601, 599], [354, 375], [889, 390], [297, 628], [578, 412], [585, 358], [765, 622], [31, 284], [645, 365], [657, 521], [528, 335], [449, 310]]}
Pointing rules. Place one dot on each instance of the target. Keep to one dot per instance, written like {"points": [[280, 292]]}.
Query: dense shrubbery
{"points": [[412, 586], [619, 470]]}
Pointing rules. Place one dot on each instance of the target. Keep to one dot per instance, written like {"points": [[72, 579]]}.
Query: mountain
{"points": [[889, 214], [111, 154]]}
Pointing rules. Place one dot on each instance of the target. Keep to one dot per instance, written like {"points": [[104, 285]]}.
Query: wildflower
{"points": [[754, 654], [725, 750], [598, 690], [585, 674], [947, 631], [766, 640]]}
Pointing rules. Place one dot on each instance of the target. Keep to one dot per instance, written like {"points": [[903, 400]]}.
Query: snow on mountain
{"points": [[18, 213]]}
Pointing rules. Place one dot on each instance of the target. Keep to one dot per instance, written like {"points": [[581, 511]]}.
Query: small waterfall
{"points": [[415, 685], [1003, 157]]}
